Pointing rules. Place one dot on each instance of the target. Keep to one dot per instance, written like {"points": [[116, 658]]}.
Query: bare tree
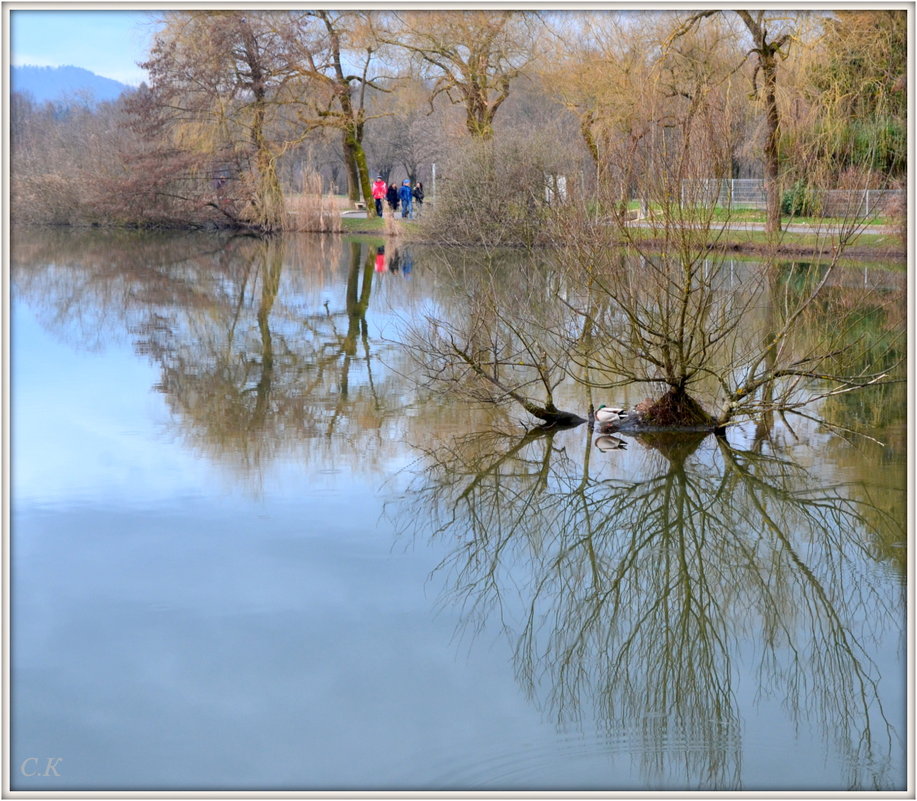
{"points": [[665, 314], [336, 52], [474, 56], [599, 68], [218, 84], [497, 345], [772, 32], [725, 340], [638, 591], [408, 132]]}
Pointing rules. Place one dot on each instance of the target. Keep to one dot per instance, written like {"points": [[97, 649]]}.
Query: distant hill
{"points": [[62, 83]]}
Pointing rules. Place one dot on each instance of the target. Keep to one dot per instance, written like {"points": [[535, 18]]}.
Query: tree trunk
{"points": [[767, 53], [479, 118], [357, 295], [358, 184], [350, 167], [268, 201], [364, 185], [270, 284], [771, 153]]}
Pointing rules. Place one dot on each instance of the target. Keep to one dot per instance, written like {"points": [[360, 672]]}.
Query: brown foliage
{"points": [[674, 409]]}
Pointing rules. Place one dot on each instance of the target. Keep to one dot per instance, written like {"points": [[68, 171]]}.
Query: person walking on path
{"points": [[418, 196], [404, 195], [392, 197], [379, 191]]}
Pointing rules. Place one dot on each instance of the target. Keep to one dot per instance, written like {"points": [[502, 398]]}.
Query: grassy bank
{"points": [[885, 247], [741, 214], [379, 226]]}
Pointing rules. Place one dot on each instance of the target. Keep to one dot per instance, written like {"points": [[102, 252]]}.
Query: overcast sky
{"points": [[108, 43]]}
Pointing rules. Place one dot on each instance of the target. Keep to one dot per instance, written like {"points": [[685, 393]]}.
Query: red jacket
{"points": [[379, 188]]}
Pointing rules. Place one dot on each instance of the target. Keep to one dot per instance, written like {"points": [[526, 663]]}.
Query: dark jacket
{"points": [[392, 196], [418, 193]]}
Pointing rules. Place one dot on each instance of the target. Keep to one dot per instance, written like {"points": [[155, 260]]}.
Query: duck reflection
{"points": [[608, 442], [641, 598]]}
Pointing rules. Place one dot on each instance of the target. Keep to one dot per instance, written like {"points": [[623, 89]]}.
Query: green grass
{"points": [[363, 225], [755, 215], [877, 242], [375, 226]]}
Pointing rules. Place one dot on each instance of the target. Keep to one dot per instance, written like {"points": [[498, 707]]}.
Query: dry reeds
{"points": [[392, 227], [312, 210]]}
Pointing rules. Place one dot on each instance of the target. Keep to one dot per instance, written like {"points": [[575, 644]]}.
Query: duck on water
{"points": [[606, 415]]}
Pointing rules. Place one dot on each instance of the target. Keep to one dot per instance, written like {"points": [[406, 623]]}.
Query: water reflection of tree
{"points": [[258, 378], [261, 347], [872, 339], [751, 341], [640, 597], [93, 288], [874, 419]]}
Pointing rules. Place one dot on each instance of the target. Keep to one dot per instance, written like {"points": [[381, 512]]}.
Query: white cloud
{"points": [[27, 60]]}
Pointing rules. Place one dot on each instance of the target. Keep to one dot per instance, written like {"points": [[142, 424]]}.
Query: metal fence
{"points": [[749, 193], [729, 192], [862, 202]]}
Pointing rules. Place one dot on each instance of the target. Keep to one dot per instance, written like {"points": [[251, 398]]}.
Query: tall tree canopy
{"points": [[245, 87], [858, 88], [335, 52], [473, 56], [220, 85]]}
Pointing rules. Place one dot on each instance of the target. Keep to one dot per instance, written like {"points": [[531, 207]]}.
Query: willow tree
{"points": [[853, 83], [471, 56], [623, 82], [598, 70], [771, 34], [712, 342], [220, 87]]}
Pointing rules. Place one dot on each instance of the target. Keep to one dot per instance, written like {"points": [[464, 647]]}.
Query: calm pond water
{"points": [[249, 552]]}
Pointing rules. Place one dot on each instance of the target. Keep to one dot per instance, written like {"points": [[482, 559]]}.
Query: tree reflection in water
{"points": [[641, 597], [258, 351], [259, 376]]}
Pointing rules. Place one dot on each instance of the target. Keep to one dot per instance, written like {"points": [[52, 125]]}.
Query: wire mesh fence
{"points": [[727, 192], [862, 202], [749, 193]]}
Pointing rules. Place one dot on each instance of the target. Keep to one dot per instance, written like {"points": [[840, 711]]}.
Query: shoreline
{"points": [[407, 232]]}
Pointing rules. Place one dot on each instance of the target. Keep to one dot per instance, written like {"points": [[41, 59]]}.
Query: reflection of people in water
{"points": [[397, 260]]}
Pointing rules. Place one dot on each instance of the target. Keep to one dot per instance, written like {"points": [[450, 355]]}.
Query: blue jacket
{"points": [[405, 194]]}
